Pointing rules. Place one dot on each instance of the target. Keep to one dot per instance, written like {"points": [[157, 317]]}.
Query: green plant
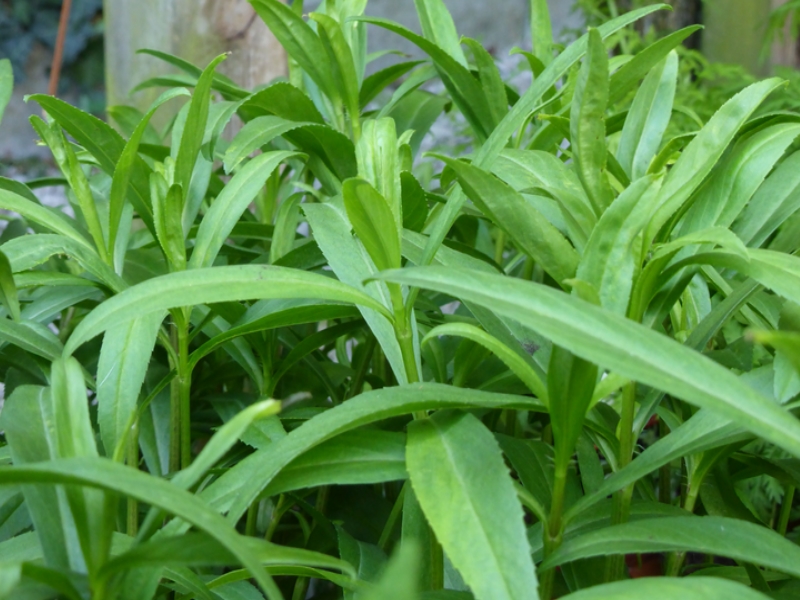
{"points": [[508, 378]]}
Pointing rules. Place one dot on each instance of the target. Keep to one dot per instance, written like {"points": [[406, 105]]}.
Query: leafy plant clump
{"points": [[297, 365]]}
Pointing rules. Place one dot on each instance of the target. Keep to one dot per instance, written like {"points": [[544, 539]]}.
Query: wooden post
{"points": [[195, 30]]}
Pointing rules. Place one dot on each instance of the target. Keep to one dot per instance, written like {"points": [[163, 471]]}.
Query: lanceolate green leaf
{"points": [[703, 152], [206, 286], [738, 178], [524, 224], [663, 588], [106, 145], [30, 336], [122, 172], [254, 135], [339, 53], [300, 42], [648, 118], [195, 128], [236, 489], [438, 27], [772, 204], [541, 31], [452, 455], [618, 344], [519, 114], [352, 265], [511, 359], [588, 125], [8, 288], [107, 475], [226, 210], [6, 84], [26, 252], [53, 220], [124, 357], [720, 536], [373, 222]]}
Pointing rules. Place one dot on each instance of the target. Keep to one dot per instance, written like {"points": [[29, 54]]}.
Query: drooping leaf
{"points": [[662, 588], [616, 343], [218, 284]]}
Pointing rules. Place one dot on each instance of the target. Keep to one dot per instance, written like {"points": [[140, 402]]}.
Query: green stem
{"points": [[185, 385], [174, 405], [675, 560], [133, 462], [553, 530], [391, 522], [622, 499]]}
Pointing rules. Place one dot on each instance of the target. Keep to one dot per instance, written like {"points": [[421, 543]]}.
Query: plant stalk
{"points": [[786, 509], [553, 529], [622, 499]]}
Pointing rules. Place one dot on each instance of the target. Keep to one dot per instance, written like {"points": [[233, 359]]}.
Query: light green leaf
{"points": [[124, 357], [49, 218], [300, 42], [285, 231], [739, 176], [352, 265], [28, 251], [195, 128], [527, 170], [344, 73], [648, 118], [235, 490], [31, 336], [774, 202], [669, 588], [167, 209], [363, 456], [107, 475], [704, 151], [8, 288], [526, 226], [106, 145], [122, 173], [510, 358], [228, 207], [373, 222], [609, 260], [379, 164], [206, 286], [452, 455], [733, 538], [617, 344], [6, 84], [254, 135], [541, 31], [588, 124], [400, 579], [438, 27]]}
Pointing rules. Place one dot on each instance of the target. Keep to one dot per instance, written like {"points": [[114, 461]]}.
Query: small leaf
{"points": [[373, 222], [415, 203], [167, 209]]}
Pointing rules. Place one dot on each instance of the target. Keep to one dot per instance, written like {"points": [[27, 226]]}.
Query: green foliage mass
{"points": [[309, 362]]}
